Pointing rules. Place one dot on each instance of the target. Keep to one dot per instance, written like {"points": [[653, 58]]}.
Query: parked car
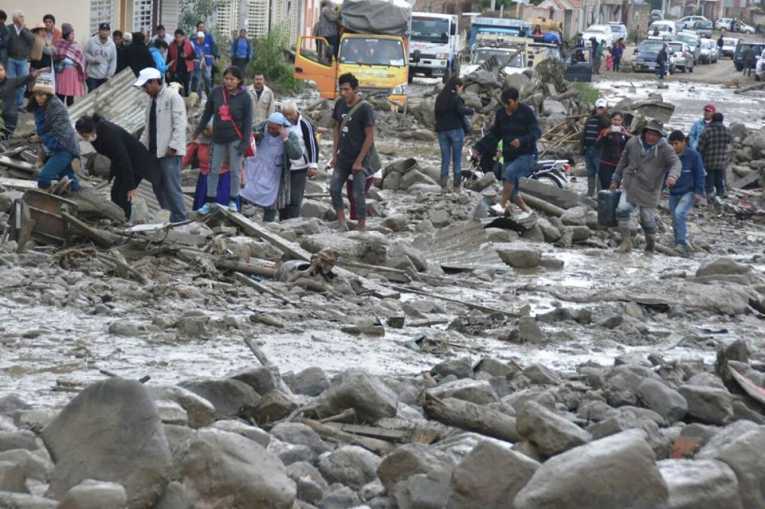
{"points": [[703, 28], [602, 33], [693, 41], [680, 56], [645, 55], [729, 46], [667, 30], [656, 15], [738, 56], [619, 30], [688, 22], [725, 23], [759, 71], [745, 29], [709, 52]]}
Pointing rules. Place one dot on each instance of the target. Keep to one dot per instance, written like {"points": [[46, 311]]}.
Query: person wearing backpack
{"points": [[352, 149], [231, 110]]}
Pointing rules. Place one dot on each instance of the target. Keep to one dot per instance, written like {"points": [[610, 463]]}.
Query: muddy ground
{"points": [[61, 323]]}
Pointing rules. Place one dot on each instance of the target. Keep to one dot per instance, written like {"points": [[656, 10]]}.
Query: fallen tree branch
{"points": [[242, 278], [472, 305], [258, 353], [471, 417], [379, 447]]}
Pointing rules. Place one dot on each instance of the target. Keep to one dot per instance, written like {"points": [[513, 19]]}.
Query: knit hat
{"points": [[44, 86]]}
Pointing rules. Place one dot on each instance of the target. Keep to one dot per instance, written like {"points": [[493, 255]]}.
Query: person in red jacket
{"points": [[180, 57]]}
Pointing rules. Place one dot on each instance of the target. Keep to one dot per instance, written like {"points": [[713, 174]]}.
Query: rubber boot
{"points": [[650, 243], [592, 186], [626, 245]]}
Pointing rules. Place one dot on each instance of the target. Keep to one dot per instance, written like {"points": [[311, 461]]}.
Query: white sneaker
{"points": [[498, 209]]}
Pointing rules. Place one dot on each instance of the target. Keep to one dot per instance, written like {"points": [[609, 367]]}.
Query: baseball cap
{"points": [[278, 118], [710, 107], [104, 26], [601, 103], [200, 34], [147, 74]]}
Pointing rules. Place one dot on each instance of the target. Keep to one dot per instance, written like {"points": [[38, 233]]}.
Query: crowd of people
{"points": [[600, 56]]}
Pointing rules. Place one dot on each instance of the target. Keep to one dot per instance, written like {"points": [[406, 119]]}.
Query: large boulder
{"points": [[722, 267], [479, 392], [111, 432], [366, 394], [221, 469], [519, 255], [409, 460], [662, 399], [349, 465], [228, 396], [490, 477], [200, 411], [309, 382], [91, 494], [549, 432], [12, 500], [709, 405], [700, 484], [615, 472]]}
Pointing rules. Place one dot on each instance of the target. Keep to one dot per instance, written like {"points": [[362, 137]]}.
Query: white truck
{"points": [[434, 45]]}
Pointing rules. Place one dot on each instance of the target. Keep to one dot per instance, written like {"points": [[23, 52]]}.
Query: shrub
{"points": [[271, 61]]}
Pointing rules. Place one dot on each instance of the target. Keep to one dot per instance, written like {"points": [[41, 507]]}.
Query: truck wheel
{"points": [[411, 76]]}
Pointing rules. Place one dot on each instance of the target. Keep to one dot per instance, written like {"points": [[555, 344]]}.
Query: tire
{"points": [[410, 79], [551, 179]]}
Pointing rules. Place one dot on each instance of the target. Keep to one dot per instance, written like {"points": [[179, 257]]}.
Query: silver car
{"points": [[709, 52], [680, 56]]}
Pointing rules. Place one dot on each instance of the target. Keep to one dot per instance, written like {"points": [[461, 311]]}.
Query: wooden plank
{"points": [[22, 184], [297, 252], [328, 432]]}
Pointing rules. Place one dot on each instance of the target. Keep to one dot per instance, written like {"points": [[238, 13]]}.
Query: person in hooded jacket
{"points": [[138, 55], [130, 160], [451, 124]]}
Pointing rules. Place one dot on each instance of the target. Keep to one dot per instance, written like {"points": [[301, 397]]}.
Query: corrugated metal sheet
{"points": [[461, 246], [117, 100]]}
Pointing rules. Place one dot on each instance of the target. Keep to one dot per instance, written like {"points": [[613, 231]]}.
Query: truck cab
{"points": [[507, 27], [434, 45], [379, 62]]}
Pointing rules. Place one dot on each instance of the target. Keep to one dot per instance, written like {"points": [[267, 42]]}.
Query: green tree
{"points": [[271, 60], [195, 11]]}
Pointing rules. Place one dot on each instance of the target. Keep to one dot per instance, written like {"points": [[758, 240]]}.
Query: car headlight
{"points": [[400, 90]]}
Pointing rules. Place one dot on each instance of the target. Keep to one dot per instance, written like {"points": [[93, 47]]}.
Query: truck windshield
{"points": [[505, 57], [370, 51], [430, 30]]}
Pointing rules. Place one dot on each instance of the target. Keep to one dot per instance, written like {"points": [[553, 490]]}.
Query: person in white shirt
{"points": [[303, 167]]}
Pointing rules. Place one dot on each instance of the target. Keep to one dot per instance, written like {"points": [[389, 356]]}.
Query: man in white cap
{"points": [[268, 175], [595, 123], [165, 137], [203, 63], [647, 163]]}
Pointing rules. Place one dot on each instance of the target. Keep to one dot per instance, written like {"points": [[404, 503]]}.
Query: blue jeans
{"points": [[451, 150], [202, 80], [592, 160], [17, 69], [624, 212], [519, 167], [58, 165], [169, 192], [680, 205], [339, 178]]}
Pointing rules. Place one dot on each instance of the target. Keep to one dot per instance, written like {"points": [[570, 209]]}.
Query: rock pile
{"points": [[492, 434]]}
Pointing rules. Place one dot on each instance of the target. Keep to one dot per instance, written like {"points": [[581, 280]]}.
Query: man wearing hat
{"points": [[646, 162], [715, 147], [268, 173], [203, 63], [698, 127], [165, 137], [596, 122], [101, 55]]}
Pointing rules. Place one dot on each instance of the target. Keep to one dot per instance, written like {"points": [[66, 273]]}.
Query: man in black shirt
{"points": [[517, 128], [354, 136]]}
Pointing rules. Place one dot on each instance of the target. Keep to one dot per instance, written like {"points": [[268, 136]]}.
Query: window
{"points": [[102, 11], [142, 16], [430, 30]]}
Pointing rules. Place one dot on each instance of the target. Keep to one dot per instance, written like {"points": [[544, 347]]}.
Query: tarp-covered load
{"points": [[388, 17]]}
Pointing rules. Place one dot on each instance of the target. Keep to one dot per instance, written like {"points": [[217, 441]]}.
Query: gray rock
{"points": [[528, 331], [300, 434], [223, 469], [575, 216], [479, 392], [11, 403], [410, 459], [10, 440], [550, 433], [340, 497], [175, 497], [289, 453], [618, 471], [700, 484], [423, 491], [662, 399], [171, 412], [719, 438], [494, 367], [90, 494], [722, 266], [318, 209], [540, 375], [311, 486], [519, 255], [500, 235], [489, 477], [364, 393], [309, 382], [226, 395], [111, 431], [200, 411], [396, 222], [254, 433], [35, 466], [350, 465], [273, 406], [708, 404], [262, 379], [22, 501], [744, 455], [461, 368], [12, 477]]}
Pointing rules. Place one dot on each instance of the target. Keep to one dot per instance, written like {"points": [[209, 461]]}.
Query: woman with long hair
{"points": [[70, 66], [451, 126], [611, 142], [130, 160], [230, 108]]}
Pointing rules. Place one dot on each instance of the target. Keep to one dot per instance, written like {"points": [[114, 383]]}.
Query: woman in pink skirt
{"points": [[70, 67]]}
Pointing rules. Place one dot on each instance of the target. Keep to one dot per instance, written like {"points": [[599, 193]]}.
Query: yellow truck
{"points": [[373, 45]]}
